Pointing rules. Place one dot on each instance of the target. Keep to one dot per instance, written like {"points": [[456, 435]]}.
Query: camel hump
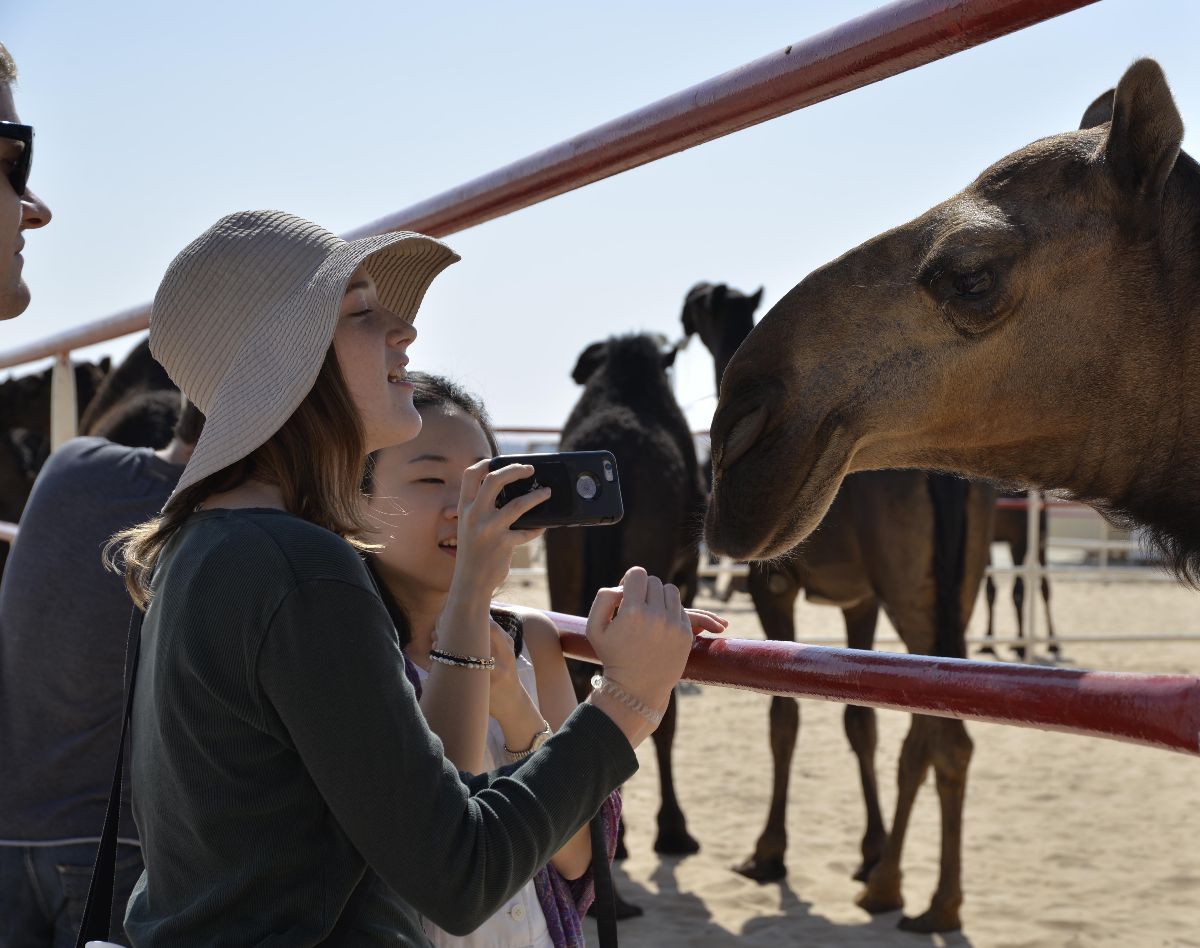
{"points": [[1146, 131]]}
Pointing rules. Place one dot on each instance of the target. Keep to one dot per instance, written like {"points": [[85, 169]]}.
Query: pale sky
{"points": [[154, 119]]}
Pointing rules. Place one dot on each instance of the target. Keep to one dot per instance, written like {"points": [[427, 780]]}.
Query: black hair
{"points": [[190, 423]]}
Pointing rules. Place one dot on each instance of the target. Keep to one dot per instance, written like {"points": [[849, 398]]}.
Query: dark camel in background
{"points": [[1041, 328], [627, 407], [134, 404], [915, 544]]}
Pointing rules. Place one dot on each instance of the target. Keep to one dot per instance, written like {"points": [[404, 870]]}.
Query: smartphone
{"points": [[584, 489]]}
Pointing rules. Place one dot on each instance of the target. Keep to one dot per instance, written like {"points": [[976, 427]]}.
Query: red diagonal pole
{"points": [[1155, 710]]}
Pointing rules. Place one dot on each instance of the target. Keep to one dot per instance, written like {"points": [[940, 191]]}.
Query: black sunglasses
{"points": [[16, 169]]}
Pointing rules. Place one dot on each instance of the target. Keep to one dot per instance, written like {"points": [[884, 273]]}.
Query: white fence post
{"points": [[63, 410]]}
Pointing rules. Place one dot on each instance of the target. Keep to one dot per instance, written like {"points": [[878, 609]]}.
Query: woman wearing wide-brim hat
{"points": [[285, 786]]}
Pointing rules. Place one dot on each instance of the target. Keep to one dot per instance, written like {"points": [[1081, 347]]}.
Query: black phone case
{"points": [[569, 475]]}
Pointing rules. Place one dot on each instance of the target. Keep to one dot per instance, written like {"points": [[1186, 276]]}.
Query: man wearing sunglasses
{"points": [[20, 208]]}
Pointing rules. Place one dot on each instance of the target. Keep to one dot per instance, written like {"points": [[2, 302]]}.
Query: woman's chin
{"points": [[401, 427]]}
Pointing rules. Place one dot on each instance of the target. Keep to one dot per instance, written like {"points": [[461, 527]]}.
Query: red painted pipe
{"points": [[1156, 710], [890, 40]]}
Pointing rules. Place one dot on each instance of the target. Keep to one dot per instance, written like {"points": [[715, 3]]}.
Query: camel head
{"points": [[721, 317], [1012, 332]]}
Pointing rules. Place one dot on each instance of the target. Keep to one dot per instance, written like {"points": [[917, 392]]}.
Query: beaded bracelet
{"points": [[610, 687], [461, 661]]}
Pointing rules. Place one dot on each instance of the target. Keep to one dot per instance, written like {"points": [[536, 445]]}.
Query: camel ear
{"points": [[105, 365], [756, 299], [589, 361], [668, 357], [1099, 112], [1146, 131]]}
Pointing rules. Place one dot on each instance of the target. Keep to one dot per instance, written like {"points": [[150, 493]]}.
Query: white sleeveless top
{"points": [[520, 923]]}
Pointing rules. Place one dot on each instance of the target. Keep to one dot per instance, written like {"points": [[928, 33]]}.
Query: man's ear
{"points": [[1145, 134], [589, 361]]}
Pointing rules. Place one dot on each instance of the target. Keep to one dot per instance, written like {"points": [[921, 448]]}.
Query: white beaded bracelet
{"points": [[609, 687]]}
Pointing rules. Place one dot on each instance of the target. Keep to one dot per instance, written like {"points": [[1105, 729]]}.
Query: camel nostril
{"points": [[741, 437]]}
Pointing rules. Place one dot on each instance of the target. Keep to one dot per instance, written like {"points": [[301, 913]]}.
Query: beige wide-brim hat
{"points": [[246, 313]]}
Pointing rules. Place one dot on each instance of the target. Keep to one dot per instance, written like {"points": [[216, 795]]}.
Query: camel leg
{"points": [[1019, 604], [673, 838], [861, 732], [774, 595], [950, 750], [990, 591], [882, 893], [1054, 646]]}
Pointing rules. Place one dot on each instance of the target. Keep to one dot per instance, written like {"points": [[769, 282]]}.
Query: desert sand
{"points": [[1069, 841]]}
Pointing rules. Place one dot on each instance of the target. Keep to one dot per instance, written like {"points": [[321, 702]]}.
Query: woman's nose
{"points": [[402, 333], [35, 212]]}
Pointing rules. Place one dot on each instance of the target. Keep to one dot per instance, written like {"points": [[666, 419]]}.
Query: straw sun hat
{"points": [[246, 312]]}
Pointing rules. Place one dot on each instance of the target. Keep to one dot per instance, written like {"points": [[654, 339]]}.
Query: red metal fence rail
{"points": [[1160, 711]]}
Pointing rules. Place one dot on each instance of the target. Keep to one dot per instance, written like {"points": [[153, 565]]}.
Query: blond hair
{"points": [[8, 68], [316, 460]]}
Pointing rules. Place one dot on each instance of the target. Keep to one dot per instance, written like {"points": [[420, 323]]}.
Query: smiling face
{"points": [[414, 498], [17, 214], [371, 344]]}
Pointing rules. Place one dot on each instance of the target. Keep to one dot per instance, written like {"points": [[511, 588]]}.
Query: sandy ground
{"points": [[1069, 841]]}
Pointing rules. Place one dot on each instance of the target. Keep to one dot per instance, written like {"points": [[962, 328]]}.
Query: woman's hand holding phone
{"points": [[485, 548], [485, 540]]}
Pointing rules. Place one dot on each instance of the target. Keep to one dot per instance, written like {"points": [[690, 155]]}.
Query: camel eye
{"points": [[974, 285]]}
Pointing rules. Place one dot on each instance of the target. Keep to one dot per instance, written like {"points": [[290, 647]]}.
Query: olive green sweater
{"points": [[285, 785]]}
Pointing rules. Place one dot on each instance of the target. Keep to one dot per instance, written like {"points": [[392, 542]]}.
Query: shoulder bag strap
{"points": [[97, 913], [605, 904]]}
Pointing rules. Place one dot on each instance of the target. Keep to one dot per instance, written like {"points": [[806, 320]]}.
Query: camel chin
{"points": [[746, 522]]}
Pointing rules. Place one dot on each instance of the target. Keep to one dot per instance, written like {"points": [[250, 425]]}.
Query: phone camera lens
{"points": [[608, 471], [586, 486]]}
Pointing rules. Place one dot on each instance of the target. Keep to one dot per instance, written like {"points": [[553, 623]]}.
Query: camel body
{"points": [[914, 544], [627, 407]]}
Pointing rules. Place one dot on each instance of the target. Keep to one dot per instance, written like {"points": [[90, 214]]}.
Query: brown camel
{"points": [[915, 544], [1041, 327]]}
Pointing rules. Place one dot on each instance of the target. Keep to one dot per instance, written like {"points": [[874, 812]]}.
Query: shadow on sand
{"points": [[676, 918]]}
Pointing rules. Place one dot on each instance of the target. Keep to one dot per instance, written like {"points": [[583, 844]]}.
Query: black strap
{"points": [[97, 913], [606, 902]]}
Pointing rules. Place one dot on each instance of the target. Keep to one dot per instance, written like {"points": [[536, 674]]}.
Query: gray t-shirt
{"points": [[63, 623]]}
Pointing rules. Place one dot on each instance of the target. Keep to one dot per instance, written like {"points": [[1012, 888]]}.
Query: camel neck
{"points": [[1147, 450]]}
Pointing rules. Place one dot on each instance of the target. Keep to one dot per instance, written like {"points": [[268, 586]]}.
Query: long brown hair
{"points": [[316, 459]]}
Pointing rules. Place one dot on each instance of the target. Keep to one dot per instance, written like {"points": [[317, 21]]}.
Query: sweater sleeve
{"points": [[332, 672]]}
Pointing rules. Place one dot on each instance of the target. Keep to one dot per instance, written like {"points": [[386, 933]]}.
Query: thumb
{"points": [[604, 607]]}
